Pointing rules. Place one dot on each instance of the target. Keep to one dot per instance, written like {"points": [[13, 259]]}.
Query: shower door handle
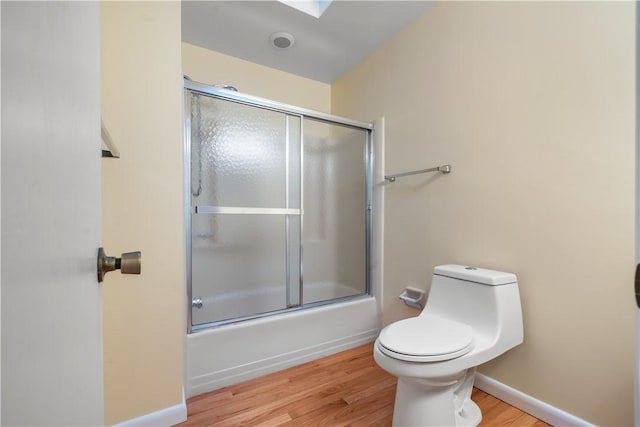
{"points": [[129, 263]]}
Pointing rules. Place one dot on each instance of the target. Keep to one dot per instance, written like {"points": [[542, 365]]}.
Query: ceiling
{"points": [[324, 48]]}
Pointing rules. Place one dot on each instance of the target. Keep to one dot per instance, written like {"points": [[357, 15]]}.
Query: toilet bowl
{"points": [[472, 315]]}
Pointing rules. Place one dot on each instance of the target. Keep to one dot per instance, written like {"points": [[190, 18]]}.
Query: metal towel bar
{"points": [[443, 169]]}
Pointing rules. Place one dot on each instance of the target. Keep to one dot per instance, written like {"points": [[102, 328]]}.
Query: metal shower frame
{"points": [[217, 92]]}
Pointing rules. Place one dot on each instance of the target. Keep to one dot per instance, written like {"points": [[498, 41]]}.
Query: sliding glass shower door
{"points": [[335, 211], [271, 191]]}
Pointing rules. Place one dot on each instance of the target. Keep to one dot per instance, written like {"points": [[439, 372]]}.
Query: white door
{"points": [[637, 275], [51, 300]]}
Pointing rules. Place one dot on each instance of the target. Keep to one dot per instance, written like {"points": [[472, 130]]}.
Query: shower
{"points": [[278, 207]]}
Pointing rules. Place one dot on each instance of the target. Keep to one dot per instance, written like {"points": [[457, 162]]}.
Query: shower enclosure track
{"points": [[273, 105]]}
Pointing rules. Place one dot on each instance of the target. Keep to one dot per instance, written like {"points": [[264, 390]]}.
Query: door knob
{"points": [[128, 263]]}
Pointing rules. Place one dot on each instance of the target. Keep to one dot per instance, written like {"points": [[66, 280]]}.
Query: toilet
{"points": [[472, 315]]}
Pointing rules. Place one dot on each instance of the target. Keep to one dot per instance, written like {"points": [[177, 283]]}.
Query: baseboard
{"points": [[528, 404], [164, 417]]}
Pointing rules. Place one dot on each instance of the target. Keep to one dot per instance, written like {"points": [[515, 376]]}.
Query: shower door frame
{"points": [[254, 101]]}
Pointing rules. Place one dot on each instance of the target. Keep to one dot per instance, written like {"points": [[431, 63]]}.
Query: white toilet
{"points": [[472, 315]]}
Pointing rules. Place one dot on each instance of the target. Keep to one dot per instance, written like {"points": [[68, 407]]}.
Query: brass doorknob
{"points": [[128, 263]]}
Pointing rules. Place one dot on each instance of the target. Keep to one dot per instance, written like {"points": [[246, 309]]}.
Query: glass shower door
{"points": [[273, 190], [245, 209], [335, 211]]}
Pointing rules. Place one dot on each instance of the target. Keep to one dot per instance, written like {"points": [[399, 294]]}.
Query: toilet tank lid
{"points": [[475, 274]]}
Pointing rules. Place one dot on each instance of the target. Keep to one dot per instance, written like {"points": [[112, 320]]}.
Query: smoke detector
{"points": [[281, 40]]}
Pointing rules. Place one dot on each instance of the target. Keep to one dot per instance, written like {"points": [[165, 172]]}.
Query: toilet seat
{"points": [[426, 338]]}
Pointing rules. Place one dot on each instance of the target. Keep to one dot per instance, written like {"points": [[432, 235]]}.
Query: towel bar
{"points": [[443, 169]]}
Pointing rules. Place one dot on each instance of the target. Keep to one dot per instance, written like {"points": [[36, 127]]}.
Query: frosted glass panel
{"points": [[267, 204], [334, 232], [238, 265], [243, 157], [238, 154]]}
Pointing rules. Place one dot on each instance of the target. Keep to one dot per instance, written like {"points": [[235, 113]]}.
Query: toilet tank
{"points": [[487, 299]]}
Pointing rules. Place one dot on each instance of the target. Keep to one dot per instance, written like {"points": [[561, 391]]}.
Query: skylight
{"points": [[314, 8]]}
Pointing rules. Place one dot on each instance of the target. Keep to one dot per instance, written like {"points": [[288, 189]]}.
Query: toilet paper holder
{"points": [[414, 297]]}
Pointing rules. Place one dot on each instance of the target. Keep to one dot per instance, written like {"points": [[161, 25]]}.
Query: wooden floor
{"points": [[345, 389]]}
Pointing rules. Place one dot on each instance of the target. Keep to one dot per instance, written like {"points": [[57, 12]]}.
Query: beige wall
{"points": [[206, 66], [144, 320], [533, 105]]}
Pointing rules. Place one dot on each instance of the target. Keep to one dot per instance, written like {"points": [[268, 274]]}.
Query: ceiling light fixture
{"points": [[282, 40]]}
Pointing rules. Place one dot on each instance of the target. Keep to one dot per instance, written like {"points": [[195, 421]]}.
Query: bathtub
{"points": [[236, 352]]}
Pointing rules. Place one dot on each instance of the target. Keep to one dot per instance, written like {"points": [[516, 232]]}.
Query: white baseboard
{"points": [[528, 404], [164, 417]]}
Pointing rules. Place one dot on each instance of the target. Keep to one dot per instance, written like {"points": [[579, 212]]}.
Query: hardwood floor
{"points": [[345, 389]]}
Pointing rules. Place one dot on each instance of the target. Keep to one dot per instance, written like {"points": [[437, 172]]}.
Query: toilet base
{"points": [[470, 414], [442, 402]]}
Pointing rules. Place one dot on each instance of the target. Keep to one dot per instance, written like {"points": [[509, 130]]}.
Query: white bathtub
{"points": [[233, 353]]}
